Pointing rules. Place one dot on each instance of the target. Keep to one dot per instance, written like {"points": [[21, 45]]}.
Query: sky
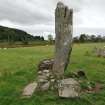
{"points": [[37, 16]]}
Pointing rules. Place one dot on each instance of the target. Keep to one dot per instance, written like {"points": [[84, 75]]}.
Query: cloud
{"points": [[24, 12], [34, 29], [37, 16]]}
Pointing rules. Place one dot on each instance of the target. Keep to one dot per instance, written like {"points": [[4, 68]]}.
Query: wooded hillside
{"points": [[13, 35]]}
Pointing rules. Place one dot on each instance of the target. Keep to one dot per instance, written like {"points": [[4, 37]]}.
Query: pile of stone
{"points": [[46, 64], [45, 79], [100, 52], [45, 76], [68, 87]]}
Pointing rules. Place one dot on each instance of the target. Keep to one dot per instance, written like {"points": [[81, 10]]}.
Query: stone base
{"points": [[69, 88]]}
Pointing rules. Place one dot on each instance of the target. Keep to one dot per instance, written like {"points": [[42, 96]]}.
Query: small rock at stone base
{"points": [[42, 77], [45, 86], [39, 72], [46, 71], [52, 80], [42, 80], [69, 88], [29, 89]]}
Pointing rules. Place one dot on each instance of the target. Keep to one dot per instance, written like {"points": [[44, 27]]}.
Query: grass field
{"points": [[18, 67]]}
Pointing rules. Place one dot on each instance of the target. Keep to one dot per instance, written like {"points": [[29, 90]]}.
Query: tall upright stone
{"points": [[63, 40]]}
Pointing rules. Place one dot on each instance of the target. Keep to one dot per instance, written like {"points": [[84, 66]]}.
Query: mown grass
{"points": [[18, 67]]}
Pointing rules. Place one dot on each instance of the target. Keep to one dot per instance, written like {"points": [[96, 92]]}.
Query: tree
{"points": [[76, 39], [50, 38], [93, 38], [42, 38], [99, 38], [83, 38], [12, 35]]}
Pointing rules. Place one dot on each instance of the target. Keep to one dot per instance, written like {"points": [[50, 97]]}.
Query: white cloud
{"points": [[37, 16]]}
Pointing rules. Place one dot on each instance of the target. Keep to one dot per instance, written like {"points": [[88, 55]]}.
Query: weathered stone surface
{"points": [[63, 41], [51, 69], [42, 80], [52, 80], [100, 52], [103, 54], [45, 86], [46, 64], [45, 76], [45, 80], [69, 88], [39, 72], [29, 89], [46, 71]]}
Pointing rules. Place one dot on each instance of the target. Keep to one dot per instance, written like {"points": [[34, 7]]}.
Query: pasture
{"points": [[18, 67]]}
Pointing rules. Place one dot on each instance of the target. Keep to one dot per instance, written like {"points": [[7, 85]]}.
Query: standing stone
{"points": [[63, 41]]}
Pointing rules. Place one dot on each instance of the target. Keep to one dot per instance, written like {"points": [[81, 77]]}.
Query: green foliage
{"points": [[11, 35], [86, 84], [83, 38]]}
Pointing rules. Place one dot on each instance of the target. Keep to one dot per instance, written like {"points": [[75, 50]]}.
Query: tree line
{"points": [[88, 38], [11, 35]]}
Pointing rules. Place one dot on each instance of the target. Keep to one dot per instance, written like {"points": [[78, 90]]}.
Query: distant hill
{"points": [[14, 35]]}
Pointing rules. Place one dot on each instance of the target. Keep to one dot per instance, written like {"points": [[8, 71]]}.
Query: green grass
{"points": [[18, 67]]}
